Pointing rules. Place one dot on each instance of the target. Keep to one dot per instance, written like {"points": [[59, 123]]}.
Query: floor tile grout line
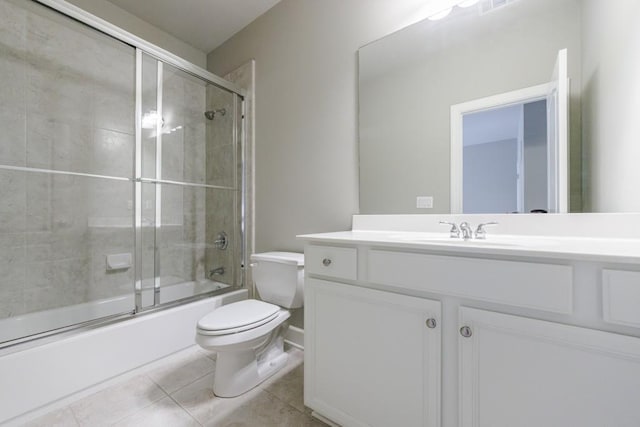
{"points": [[285, 402], [181, 387], [73, 414], [143, 372], [186, 411], [183, 407], [146, 374], [212, 356], [137, 411], [149, 403]]}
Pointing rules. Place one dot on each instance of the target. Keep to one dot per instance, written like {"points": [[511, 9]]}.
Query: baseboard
{"points": [[295, 337], [325, 420]]}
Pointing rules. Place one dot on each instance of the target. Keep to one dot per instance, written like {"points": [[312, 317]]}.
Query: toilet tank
{"points": [[279, 277]]}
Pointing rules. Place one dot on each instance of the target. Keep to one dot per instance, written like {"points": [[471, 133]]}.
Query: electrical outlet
{"points": [[424, 202]]}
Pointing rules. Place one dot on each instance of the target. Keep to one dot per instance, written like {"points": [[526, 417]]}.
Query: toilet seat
{"points": [[237, 317]]}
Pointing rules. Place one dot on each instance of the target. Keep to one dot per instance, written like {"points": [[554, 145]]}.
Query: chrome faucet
{"points": [[481, 233], [454, 233], [465, 228], [216, 272]]}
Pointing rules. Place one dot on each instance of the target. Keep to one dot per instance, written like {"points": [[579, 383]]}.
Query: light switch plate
{"points": [[424, 202]]}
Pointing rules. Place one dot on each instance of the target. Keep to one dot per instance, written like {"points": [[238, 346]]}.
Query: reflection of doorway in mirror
{"points": [[556, 94], [505, 159]]}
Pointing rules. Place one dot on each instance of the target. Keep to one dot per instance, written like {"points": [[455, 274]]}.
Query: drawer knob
{"points": [[465, 331], [326, 262], [431, 323]]}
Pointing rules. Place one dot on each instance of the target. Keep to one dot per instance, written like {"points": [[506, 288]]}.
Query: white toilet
{"points": [[249, 335]]}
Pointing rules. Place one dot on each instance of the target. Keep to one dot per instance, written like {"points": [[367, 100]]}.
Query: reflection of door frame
{"points": [[519, 162], [520, 96]]}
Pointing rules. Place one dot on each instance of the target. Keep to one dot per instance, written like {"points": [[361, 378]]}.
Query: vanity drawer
{"points": [[331, 261], [539, 286], [621, 297]]}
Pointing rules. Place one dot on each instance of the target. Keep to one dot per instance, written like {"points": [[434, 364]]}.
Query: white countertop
{"points": [[570, 248]]}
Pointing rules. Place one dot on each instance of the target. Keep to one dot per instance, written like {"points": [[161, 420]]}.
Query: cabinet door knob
{"points": [[431, 323], [465, 331], [326, 262]]}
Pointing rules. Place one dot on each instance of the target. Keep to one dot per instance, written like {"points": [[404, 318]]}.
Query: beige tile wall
{"points": [[70, 108]]}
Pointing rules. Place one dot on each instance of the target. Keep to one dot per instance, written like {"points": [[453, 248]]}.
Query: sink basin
{"points": [[491, 241], [470, 242]]}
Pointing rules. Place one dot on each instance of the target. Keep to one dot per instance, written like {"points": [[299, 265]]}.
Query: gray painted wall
{"points": [[306, 109], [611, 95]]}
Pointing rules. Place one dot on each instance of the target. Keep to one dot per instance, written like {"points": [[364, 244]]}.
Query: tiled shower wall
{"points": [[66, 105], [67, 151], [222, 205]]}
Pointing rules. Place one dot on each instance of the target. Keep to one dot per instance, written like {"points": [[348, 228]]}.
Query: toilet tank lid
{"points": [[293, 258]]}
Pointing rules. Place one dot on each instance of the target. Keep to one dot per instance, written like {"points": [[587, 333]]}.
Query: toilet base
{"points": [[239, 371]]}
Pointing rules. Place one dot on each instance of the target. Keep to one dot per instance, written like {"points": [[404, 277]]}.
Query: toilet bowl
{"points": [[248, 335]]}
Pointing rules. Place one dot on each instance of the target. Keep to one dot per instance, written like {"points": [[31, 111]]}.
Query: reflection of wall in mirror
{"points": [[404, 139]]}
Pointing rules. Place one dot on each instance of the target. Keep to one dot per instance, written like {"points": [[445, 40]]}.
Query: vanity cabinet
{"points": [[415, 337], [516, 371], [372, 358]]}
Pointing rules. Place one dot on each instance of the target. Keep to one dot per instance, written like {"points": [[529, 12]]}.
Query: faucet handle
{"points": [[481, 233], [465, 228], [454, 233]]}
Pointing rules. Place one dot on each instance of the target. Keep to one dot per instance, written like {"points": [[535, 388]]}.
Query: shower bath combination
{"points": [[211, 114], [140, 204]]}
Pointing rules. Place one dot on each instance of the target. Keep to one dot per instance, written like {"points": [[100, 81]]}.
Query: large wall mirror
{"points": [[465, 113]]}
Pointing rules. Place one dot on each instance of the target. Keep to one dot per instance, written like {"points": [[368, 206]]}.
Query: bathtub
{"points": [[171, 289], [37, 376]]}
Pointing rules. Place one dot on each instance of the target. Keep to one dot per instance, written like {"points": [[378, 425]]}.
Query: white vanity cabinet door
{"points": [[370, 358], [516, 371]]}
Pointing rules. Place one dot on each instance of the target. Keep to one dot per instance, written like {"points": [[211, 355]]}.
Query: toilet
{"points": [[248, 335]]}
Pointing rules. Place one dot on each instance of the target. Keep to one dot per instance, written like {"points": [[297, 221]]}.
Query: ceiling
{"points": [[204, 24]]}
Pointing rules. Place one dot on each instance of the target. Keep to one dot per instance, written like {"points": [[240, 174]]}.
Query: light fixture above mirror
{"points": [[437, 10]]}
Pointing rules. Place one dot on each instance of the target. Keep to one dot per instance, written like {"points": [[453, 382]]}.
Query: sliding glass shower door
{"points": [[119, 175], [190, 178], [66, 171]]}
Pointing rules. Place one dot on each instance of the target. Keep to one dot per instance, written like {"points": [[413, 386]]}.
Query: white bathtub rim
{"points": [[35, 411], [71, 316]]}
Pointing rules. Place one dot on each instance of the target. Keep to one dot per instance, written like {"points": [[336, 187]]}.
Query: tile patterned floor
{"points": [[178, 392]]}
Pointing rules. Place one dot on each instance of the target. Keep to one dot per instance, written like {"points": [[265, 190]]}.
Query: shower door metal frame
{"points": [[158, 188], [163, 56]]}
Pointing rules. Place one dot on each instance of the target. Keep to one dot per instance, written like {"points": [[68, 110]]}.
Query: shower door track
{"points": [[163, 55]]}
